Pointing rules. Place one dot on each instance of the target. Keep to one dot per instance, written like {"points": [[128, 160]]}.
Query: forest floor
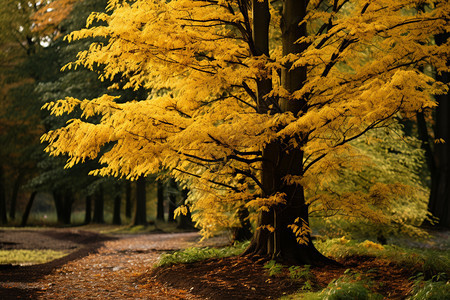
{"points": [[121, 267]]}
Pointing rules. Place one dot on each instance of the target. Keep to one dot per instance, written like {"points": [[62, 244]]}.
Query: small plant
{"points": [[274, 268], [302, 273], [350, 286], [436, 288]]}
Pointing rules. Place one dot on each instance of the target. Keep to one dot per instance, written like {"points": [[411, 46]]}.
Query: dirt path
{"points": [[99, 268]]}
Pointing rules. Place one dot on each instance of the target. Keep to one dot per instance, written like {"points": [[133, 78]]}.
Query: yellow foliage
{"points": [[371, 245], [201, 122]]}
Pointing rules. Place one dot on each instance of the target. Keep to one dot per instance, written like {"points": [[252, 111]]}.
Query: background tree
{"points": [[247, 123]]}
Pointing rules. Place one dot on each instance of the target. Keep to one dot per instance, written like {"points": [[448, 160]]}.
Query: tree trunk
{"points": [[15, 192], [3, 216], [185, 221], [280, 160], [26, 214], [88, 210], [244, 232], [68, 200], [140, 217], [99, 204], [439, 204], [172, 200], [160, 200], [128, 204], [116, 213], [58, 200]]}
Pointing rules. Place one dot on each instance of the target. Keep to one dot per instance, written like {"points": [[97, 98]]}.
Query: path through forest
{"points": [[111, 269]]}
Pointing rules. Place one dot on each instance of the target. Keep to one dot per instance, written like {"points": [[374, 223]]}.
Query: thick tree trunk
{"points": [[15, 193], [140, 217], [439, 204], [160, 200], [280, 160], [3, 216], [26, 214]]}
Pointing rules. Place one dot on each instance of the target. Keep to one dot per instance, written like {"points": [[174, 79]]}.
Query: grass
{"points": [[436, 288], [430, 262], [28, 257], [194, 254]]}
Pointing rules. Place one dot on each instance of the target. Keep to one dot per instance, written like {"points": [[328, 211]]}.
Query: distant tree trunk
{"points": [[140, 217], [244, 232], [67, 208], [15, 192], [172, 200], [280, 160], [58, 200], [99, 204], [128, 203], [116, 213], [63, 204], [26, 214], [88, 210], [3, 216], [160, 200], [185, 221], [424, 137], [439, 204]]}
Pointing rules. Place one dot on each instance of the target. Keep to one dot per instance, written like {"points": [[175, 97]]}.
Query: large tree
{"points": [[253, 104]]}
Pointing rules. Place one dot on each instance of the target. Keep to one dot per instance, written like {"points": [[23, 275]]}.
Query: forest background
{"points": [[33, 53]]}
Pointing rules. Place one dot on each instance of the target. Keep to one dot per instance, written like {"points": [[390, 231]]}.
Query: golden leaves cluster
{"points": [[199, 120]]}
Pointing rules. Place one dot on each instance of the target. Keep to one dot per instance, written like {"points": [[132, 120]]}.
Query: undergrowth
{"points": [[194, 254], [436, 288], [430, 262]]}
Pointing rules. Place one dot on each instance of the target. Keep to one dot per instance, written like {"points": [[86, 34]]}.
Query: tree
{"points": [[252, 105], [439, 205]]}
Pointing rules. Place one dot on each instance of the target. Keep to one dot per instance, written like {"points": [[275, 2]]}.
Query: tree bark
{"points": [[172, 200], [99, 203], [116, 212], [27, 211], [3, 216], [88, 210], [185, 221], [439, 204], [15, 192], [128, 204], [280, 160], [160, 200], [140, 217]]}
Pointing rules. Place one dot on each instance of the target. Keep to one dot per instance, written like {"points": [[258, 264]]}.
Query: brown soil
{"points": [[121, 267]]}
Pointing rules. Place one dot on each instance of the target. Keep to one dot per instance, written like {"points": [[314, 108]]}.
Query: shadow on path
{"points": [[16, 282]]}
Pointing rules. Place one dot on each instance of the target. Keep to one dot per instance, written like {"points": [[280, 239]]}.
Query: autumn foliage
{"points": [[217, 104]]}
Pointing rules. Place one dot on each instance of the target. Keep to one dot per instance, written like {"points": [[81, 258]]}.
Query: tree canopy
{"points": [[251, 104]]}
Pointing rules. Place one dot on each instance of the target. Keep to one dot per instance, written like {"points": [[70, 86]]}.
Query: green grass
{"points": [[194, 254], [27, 257]]}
